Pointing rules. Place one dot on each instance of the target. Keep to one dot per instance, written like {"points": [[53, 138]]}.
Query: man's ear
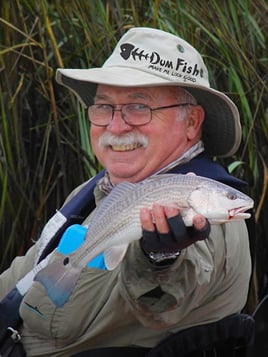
{"points": [[194, 122]]}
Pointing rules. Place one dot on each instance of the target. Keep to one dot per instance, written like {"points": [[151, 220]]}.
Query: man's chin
{"points": [[120, 172]]}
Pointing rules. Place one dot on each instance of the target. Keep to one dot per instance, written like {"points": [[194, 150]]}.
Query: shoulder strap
{"points": [[202, 165]]}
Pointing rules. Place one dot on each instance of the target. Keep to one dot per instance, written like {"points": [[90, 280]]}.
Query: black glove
{"points": [[168, 244]]}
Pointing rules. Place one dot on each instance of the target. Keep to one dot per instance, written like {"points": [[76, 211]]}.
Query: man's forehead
{"points": [[105, 91]]}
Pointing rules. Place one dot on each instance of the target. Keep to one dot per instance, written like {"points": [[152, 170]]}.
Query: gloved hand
{"points": [[164, 232]]}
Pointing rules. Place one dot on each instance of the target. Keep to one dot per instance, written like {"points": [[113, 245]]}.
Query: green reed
{"points": [[44, 145]]}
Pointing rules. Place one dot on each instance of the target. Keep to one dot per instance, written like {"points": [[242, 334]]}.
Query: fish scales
{"points": [[123, 205], [115, 222], [126, 200]]}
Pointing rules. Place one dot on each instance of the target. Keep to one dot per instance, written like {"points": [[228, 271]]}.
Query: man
{"points": [[152, 111]]}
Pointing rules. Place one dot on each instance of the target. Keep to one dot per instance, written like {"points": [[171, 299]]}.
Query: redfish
{"points": [[115, 222]]}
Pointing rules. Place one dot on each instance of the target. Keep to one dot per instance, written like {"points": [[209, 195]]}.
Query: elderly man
{"points": [[152, 111]]}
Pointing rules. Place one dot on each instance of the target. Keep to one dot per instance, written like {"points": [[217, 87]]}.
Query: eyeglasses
{"points": [[134, 114]]}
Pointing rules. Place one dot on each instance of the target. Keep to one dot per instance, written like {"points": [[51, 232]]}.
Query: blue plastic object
{"points": [[72, 239]]}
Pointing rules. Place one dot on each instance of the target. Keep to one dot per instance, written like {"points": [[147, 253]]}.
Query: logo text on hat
{"points": [[179, 68]]}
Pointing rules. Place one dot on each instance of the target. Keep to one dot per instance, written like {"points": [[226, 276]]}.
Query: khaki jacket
{"points": [[208, 281]]}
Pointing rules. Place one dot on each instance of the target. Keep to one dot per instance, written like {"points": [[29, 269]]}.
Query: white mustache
{"points": [[108, 139]]}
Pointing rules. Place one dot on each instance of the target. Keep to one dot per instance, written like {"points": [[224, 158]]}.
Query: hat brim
{"points": [[221, 128]]}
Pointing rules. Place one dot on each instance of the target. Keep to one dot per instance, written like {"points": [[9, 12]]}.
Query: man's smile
{"points": [[130, 147]]}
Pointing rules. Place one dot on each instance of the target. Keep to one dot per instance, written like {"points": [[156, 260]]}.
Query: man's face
{"points": [[167, 136]]}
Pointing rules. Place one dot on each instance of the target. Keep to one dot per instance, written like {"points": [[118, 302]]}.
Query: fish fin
{"points": [[114, 255], [59, 279], [173, 204], [187, 216], [167, 203]]}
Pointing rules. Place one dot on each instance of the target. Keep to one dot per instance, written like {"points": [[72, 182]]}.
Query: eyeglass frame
{"points": [[123, 115]]}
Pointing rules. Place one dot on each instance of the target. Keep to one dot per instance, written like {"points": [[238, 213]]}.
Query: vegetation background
{"points": [[44, 145]]}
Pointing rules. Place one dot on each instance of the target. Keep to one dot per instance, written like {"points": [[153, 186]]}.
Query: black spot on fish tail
{"points": [[66, 261]]}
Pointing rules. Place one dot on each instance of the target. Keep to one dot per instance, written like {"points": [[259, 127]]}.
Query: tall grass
{"points": [[44, 145]]}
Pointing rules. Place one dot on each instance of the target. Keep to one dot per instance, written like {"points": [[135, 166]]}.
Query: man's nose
{"points": [[117, 123]]}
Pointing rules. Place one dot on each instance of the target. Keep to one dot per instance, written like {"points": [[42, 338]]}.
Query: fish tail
{"points": [[59, 280]]}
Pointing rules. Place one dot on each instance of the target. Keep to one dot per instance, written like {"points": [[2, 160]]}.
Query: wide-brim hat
{"points": [[146, 57]]}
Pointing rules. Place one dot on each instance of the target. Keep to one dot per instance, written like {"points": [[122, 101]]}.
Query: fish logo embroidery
{"points": [[128, 50]]}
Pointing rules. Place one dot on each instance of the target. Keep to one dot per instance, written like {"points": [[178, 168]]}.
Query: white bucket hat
{"points": [[146, 57]]}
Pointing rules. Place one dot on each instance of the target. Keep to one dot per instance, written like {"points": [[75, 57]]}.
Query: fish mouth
{"points": [[122, 148], [239, 212]]}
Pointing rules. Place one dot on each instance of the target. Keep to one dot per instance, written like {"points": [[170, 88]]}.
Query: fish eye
{"points": [[231, 196]]}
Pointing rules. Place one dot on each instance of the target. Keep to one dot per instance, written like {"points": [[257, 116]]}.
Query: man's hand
{"points": [[165, 232]]}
